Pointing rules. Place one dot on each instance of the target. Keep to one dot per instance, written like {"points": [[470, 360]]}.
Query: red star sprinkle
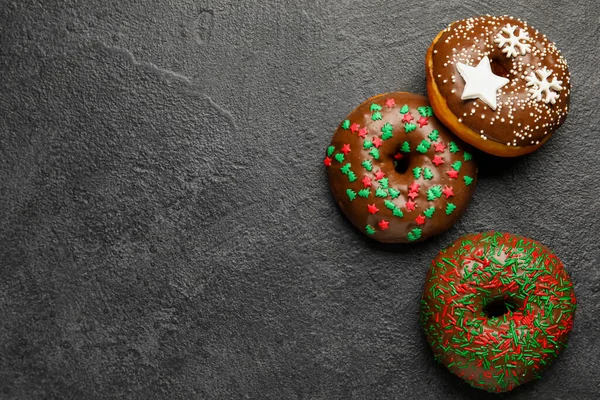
{"points": [[383, 224], [413, 195], [420, 220], [414, 187], [354, 128], [376, 141], [398, 156], [372, 208], [437, 160], [366, 181], [439, 147], [345, 149], [452, 174], [390, 103], [379, 175], [448, 191], [363, 133], [422, 122], [407, 117], [410, 205], [327, 162]]}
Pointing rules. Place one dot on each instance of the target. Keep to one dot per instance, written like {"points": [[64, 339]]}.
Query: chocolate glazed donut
{"points": [[497, 309], [396, 172], [498, 84]]}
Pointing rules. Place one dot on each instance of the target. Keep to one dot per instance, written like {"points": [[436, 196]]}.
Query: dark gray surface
{"points": [[166, 228]]}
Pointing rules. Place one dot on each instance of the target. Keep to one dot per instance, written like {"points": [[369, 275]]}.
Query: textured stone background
{"points": [[166, 228]]}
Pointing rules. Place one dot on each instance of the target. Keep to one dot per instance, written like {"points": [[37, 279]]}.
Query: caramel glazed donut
{"points": [[498, 84], [497, 309], [396, 172]]}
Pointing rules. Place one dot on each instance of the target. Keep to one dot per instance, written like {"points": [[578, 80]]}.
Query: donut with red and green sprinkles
{"points": [[497, 309], [396, 172]]}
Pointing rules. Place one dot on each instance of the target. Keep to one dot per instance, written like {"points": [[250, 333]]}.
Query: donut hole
{"points": [[498, 307], [498, 68], [401, 165]]}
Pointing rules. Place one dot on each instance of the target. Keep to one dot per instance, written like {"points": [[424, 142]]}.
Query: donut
{"points": [[498, 84], [396, 172], [497, 309]]}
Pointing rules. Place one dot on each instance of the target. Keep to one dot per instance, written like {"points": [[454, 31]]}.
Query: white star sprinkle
{"points": [[481, 82]]}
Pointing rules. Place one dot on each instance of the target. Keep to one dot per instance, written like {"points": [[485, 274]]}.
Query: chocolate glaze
{"points": [[401, 229], [482, 349], [519, 119]]}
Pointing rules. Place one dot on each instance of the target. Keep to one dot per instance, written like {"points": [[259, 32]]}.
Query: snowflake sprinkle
{"points": [[513, 41], [542, 86]]}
